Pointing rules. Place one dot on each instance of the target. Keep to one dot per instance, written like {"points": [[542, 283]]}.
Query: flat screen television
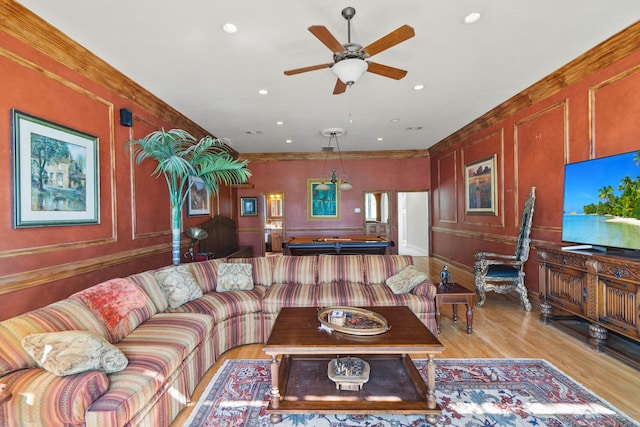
{"points": [[602, 203]]}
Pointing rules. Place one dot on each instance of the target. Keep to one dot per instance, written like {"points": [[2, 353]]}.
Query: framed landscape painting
{"points": [[55, 174], [323, 203], [199, 200], [480, 187]]}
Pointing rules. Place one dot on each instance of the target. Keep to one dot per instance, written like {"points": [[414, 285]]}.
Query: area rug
{"points": [[471, 392]]}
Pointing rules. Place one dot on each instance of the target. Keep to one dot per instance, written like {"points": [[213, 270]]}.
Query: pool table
{"points": [[347, 245]]}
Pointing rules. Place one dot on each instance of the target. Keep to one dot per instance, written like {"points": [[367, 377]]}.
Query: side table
{"points": [[455, 294]]}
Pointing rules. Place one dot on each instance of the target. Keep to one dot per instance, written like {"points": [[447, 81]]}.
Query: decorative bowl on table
{"points": [[352, 320]]}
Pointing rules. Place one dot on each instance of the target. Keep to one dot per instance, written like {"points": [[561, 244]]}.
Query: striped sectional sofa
{"points": [[170, 335]]}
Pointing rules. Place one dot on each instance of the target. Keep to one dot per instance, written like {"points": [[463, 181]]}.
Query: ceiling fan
{"points": [[349, 60]]}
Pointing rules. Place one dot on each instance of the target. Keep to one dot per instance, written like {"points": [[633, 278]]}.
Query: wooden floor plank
{"points": [[503, 329]]}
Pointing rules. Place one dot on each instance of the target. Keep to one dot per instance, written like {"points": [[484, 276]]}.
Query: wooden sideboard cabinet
{"points": [[596, 296]]}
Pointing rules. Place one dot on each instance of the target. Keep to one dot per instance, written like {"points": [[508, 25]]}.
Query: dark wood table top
{"points": [[297, 331], [453, 288]]}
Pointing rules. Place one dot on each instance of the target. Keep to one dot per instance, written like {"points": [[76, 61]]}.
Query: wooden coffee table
{"points": [[300, 353]]}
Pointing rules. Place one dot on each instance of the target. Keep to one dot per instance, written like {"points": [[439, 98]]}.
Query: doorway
{"points": [[413, 223], [377, 213], [273, 223]]}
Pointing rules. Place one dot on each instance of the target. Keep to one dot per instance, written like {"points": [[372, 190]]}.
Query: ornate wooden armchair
{"points": [[505, 273]]}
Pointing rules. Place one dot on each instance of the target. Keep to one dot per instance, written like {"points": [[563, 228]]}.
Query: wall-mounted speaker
{"points": [[126, 117]]}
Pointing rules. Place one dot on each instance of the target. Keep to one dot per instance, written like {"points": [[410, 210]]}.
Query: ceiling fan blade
{"points": [[340, 87], [326, 38], [393, 38], [305, 69], [386, 71]]}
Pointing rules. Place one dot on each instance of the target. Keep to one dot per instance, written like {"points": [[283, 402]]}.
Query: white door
{"points": [[413, 223]]}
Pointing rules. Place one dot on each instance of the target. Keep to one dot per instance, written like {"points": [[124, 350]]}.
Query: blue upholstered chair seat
{"points": [[503, 271]]}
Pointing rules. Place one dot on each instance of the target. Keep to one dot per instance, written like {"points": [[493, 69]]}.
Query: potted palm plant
{"points": [[180, 156]]}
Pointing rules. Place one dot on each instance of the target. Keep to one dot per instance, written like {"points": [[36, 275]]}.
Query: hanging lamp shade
{"points": [[350, 70]]}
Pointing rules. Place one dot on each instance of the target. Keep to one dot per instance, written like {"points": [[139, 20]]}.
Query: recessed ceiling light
{"points": [[263, 92], [288, 141], [229, 28], [380, 139], [395, 120], [279, 122], [418, 87], [472, 18]]}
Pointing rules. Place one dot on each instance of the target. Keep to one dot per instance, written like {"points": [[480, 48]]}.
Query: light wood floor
{"points": [[502, 329]]}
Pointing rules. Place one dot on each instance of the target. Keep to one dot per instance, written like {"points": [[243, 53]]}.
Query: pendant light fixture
{"points": [[332, 175]]}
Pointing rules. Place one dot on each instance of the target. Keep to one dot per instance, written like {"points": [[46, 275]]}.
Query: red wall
{"points": [[43, 264], [595, 117], [290, 178]]}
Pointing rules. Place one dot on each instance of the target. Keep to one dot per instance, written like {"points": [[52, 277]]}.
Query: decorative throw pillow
{"points": [[113, 302], [71, 352], [178, 285], [407, 279], [234, 277]]}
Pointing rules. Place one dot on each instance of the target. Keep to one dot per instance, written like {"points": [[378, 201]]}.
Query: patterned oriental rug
{"points": [[471, 392]]}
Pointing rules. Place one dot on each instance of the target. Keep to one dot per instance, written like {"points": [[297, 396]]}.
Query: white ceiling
{"points": [[178, 51]]}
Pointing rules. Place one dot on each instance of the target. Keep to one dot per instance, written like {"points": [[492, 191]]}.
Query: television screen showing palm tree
{"points": [[602, 202]]}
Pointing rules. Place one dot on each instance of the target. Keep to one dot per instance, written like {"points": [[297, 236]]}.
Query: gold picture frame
{"points": [[480, 187], [323, 204]]}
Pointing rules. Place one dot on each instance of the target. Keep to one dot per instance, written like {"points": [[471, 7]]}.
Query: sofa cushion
{"points": [[148, 283], [290, 295], [346, 294], [45, 399], [156, 350], [234, 277], [379, 267], [68, 314], [343, 268], [71, 352], [206, 273], [223, 305], [119, 304], [384, 296], [297, 270], [407, 279], [178, 284], [262, 269]]}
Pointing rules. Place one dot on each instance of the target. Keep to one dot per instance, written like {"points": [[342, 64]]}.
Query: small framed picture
{"points": [[199, 200], [248, 206], [480, 187]]}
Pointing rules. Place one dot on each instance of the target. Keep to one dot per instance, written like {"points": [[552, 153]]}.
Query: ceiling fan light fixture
{"points": [[350, 70]]}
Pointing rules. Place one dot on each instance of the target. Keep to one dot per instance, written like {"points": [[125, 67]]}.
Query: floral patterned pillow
{"points": [[234, 277], [178, 285], [407, 279], [71, 352]]}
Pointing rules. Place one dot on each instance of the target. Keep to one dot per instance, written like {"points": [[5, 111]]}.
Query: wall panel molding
{"points": [[110, 171], [18, 281], [631, 95], [541, 147], [451, 216], [614, 49], [346, 155], [500, 178]]}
